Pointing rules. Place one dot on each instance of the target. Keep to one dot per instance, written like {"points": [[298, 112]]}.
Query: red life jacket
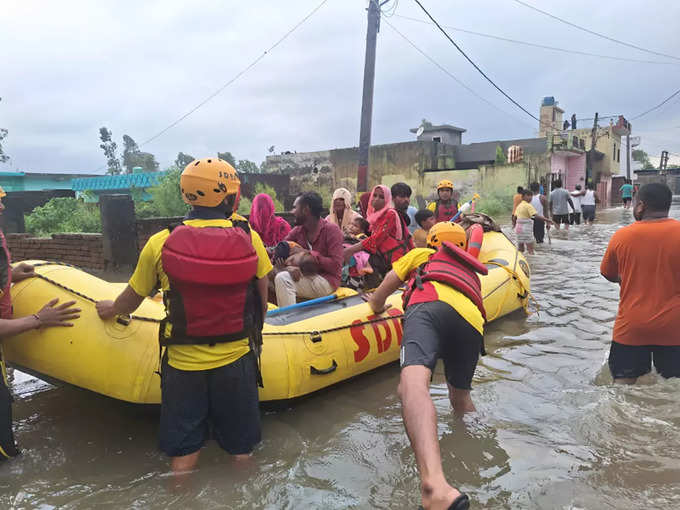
{"points": [[451, 266], [445, 212], [392, 249], [212, 296], [5, 280]]}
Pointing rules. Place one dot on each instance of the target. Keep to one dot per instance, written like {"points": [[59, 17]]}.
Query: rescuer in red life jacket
{"points": [[446, 206], [212, 269], [443, 318], [49, 315]]}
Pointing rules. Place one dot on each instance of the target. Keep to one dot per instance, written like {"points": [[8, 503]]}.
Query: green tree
{"points": [[64, 214], [500, 156], [130, 149], [642, 157], [247, 167], [183, 160], [228, 157], [4, 158], [109, 147], [166, 197]]}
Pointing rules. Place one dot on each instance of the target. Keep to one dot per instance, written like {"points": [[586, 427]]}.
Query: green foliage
{"points": [[183, 160], [245, 204], [133, 157], [166, 199], [500, 156], [495, 204], [642, 157], [247, 167], [228, 157], [64, 215], [109, 147]]}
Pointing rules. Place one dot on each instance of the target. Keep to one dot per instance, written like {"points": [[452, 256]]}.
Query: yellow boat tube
{"points": [[304, 350]]}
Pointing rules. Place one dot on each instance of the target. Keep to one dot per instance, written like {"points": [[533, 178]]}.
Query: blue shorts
{"points": [[632, 361], [223, 400]]}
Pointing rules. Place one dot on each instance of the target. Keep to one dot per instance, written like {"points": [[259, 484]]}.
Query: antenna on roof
{"points": [[420, 130]]}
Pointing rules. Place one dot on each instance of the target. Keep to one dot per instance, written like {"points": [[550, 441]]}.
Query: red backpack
{"points": [[212, 296], [452, 266]]}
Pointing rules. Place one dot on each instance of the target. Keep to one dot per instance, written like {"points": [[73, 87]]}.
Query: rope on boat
{"points": [[150, 319]]}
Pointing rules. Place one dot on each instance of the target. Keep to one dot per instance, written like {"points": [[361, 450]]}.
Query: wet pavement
{"points": [[551, 430]]}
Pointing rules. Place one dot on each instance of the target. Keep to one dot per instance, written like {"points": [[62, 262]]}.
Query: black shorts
{"points": [[627, 200], [8, 447], [224, 399], [436, 330], [588, 212], [630, 361], [575, 218], [561, 218]]}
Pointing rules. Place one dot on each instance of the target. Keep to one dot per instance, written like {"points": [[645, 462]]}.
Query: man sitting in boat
{"points": [[389, 239], [213, 274], [443, 318], [48, 316], [320, 239]]}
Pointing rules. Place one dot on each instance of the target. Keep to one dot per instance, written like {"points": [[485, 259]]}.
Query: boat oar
{"points": [[303, 304], [460, 210]]}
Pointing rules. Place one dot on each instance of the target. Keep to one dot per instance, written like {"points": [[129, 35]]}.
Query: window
{"points": [[437, 139], [618, 155], [614, 155]]}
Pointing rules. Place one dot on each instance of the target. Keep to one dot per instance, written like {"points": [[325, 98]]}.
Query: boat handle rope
{"points": [[314, 333], [120, 320], [526, 294]]}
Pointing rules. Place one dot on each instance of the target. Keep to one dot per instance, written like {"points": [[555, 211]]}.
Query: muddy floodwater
{"points": [[551, 430]]}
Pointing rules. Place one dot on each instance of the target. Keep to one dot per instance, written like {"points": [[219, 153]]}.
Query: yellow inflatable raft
{"points": [[304, 349]]}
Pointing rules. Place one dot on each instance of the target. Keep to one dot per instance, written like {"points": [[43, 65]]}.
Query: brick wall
{"points": [[82, 250]]}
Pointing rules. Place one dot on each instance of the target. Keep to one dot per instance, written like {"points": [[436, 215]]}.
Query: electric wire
{"points": [[536, 45], [237, 76], [475, 65], [447, 72], [592, 32], [657, 106]]}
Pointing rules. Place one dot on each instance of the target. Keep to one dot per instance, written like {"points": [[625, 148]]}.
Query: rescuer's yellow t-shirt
{"points": [[149, 273], [452, 297]]}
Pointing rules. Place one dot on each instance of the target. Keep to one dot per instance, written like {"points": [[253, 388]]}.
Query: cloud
{"points": [[70, 67]]}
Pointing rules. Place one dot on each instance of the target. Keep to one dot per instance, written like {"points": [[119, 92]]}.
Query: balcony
{"points": [[567, 144]]}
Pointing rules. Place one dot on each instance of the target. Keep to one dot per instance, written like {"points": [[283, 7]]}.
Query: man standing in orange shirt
{"points": [[644, 258]]}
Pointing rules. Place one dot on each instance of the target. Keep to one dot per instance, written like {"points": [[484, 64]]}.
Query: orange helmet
{"points": [[446, 231], [208, 181], [444, 184]]}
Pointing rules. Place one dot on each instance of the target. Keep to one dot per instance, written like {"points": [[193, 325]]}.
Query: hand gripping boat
{"points": [[305, 349]]}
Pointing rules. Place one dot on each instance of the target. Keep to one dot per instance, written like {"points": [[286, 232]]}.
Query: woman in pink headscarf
{"points": [[271, 228], [389, 239]]}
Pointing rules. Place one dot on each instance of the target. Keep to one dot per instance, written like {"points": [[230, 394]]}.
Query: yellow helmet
{"points": [[444, 184], [2, 192], [446, 231], [208, 181]]}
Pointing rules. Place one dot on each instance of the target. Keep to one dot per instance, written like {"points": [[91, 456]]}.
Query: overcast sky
{"points": [[70, 67]]}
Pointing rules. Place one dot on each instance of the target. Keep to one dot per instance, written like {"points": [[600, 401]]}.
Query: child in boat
{"points": [[358, 265], [425, 220], [524, 226], [443, 318]]}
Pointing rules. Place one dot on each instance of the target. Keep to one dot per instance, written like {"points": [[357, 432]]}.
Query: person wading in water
{"points": [[643, 258], [443, 318], [212, 269]]}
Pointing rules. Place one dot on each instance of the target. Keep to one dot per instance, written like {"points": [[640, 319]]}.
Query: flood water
{"points": [[551, 430]]}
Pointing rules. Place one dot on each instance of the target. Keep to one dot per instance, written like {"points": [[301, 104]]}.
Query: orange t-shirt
{"points": [[516, 200], [646, 258]]}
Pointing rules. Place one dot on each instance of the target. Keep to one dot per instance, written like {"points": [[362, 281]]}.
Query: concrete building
{"points": [[444, 133], [550, 117]]}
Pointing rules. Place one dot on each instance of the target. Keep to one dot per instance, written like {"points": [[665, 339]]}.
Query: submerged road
{"points": [[551, 430]]}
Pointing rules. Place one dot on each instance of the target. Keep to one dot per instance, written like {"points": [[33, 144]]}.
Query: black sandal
{"points": [[462, 502]]}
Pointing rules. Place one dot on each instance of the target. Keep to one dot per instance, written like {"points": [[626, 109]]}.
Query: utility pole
{"points": [[628, 155], [367, 101], [593, 142]]}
